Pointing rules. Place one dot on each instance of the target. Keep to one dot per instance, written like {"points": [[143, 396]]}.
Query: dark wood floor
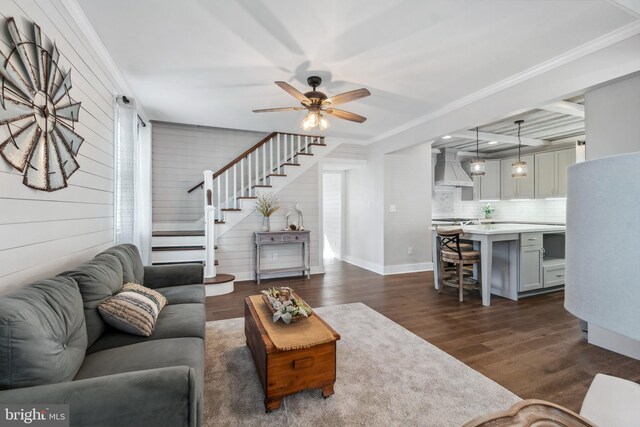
{"points": [[532, 347]]}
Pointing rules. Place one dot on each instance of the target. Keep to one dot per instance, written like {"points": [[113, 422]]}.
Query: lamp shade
{"points": [[603, 243], [519, 169], [477, 167]]}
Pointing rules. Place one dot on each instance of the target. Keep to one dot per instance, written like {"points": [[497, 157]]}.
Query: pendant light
{"points": [[519, 168], [477, 165]]}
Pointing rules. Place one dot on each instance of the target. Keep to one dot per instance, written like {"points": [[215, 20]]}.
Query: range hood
{"points": [[449, 171]]}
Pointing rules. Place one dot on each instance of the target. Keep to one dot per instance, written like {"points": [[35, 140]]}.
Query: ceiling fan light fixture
{"points": [[519, 168]]}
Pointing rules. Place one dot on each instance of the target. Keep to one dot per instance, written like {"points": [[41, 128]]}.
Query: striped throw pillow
{"points": [[133, 310], [155, 296]]}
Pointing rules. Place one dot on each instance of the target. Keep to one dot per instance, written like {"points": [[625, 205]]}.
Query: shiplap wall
{"points": [[349, 151], [180, 154], [45, 233], [235, 249]]}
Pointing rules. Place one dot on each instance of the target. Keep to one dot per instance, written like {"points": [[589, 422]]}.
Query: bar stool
{"points": [[462, 258]]}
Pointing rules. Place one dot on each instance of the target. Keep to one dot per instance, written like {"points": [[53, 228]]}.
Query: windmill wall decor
{"points": [[37, 111]]}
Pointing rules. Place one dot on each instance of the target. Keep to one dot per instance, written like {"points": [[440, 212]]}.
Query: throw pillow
{"points": [[155, 296], [130, 312]]}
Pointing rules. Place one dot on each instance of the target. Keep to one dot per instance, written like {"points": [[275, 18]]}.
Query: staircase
{"points": [[229, 197]]}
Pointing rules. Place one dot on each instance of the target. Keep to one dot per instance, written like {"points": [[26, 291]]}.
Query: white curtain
{"points": [[143, 221], [132, 179]]}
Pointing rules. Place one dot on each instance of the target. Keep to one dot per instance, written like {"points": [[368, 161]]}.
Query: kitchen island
{"points": [[508, 257]]}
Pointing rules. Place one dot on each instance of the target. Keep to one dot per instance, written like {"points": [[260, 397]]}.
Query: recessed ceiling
{"points": [[211, 62], [538, 124]]}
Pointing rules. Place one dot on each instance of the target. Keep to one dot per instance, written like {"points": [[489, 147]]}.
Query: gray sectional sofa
{"points": [[55, 347]]}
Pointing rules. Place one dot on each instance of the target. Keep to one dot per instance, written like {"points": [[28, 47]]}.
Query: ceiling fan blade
{"points": [[341, 114], [294, 92], [347, 97], [270, 110]]}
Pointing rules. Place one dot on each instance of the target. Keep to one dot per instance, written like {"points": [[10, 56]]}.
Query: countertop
{"points": [[442, 221], [490, 229]]}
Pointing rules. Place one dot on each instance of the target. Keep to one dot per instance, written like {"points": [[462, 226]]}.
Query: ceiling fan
{"points": [[318, 103]]}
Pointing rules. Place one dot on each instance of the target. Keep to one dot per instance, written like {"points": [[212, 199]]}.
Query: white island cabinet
{"points": [[513, 258]]}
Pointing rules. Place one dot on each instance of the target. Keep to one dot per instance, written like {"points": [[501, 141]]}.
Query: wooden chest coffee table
{"points": [[286, 371]]}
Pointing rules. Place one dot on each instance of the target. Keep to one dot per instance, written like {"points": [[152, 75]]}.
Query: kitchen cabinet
{"points": [[531, 254], [517, 188], [551, 172], [487, 186]]}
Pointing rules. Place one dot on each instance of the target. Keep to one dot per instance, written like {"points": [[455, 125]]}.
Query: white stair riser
{"points": [[178, 241], [177, 256], [180, 225], [219, 288]]}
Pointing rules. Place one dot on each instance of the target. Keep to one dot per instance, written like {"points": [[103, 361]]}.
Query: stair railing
{"points": [[253, 169]]}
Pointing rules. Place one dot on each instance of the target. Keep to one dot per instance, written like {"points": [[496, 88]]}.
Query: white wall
{"points": [[236, 248], [45, 233], [364, 239], [407, 187], [332, 192], [180, 154], [612, 119]]}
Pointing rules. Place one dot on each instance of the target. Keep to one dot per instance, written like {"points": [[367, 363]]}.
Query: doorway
{"points": [[332, 214]]}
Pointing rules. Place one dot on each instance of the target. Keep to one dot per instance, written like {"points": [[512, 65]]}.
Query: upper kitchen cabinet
{"points": [[551, 172], [516, 188], [487, 186]]}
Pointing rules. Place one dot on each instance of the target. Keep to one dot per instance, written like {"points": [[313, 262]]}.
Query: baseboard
{"points": [[613, 341], [408, 268], [250, 275], [367, 265]]}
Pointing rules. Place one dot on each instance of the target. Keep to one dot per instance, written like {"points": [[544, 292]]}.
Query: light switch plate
{"points": [[392, 208]]}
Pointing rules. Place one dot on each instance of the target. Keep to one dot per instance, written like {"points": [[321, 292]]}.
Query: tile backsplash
{"points": [[447, 202]]}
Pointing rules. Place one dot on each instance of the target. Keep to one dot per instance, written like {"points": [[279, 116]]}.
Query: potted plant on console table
{"points": [[267, 204]]}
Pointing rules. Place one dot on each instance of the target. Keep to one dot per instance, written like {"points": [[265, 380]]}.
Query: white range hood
{"points": [[449, 171]]}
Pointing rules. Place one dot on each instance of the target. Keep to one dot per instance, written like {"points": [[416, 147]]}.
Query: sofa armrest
{"points": [[159, 397], [160, 276]]}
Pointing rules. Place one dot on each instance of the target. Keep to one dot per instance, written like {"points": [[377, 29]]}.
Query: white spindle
{"points": [[218, 181], [249, 173], [242, 193], [257, 170], [271, 144], [264, 165], [278, 154], [234, 189], [286, 142], [226, 188], [298, 143]]}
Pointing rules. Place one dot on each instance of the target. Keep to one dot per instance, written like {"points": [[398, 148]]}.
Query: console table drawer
{"points": [[271, 238], [296, 237]]}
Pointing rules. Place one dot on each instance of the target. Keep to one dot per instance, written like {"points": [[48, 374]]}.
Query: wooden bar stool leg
{"points": [[460, 280], [441, 275]]}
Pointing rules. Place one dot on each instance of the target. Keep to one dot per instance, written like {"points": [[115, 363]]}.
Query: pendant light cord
{"points": [[519, 142], [477, 143]]}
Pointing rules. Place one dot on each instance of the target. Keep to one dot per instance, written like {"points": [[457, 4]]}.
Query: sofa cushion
{"points": [[43, 337], [174, 321], [145, 355], [188, 294], [129, 257], [98, 280]]}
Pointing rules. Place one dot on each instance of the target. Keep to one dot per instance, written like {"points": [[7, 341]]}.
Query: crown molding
{"points": [[593, 46], [81, 19]]}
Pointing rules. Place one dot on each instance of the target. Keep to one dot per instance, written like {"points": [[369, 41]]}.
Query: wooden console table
{"points": [[284, 238]]}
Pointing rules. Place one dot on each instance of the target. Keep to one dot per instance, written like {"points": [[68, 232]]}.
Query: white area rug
{"points": [[386, 376]]}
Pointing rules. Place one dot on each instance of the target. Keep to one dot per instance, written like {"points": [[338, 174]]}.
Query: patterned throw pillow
{"points": [[133, 310], [155, 296]]}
